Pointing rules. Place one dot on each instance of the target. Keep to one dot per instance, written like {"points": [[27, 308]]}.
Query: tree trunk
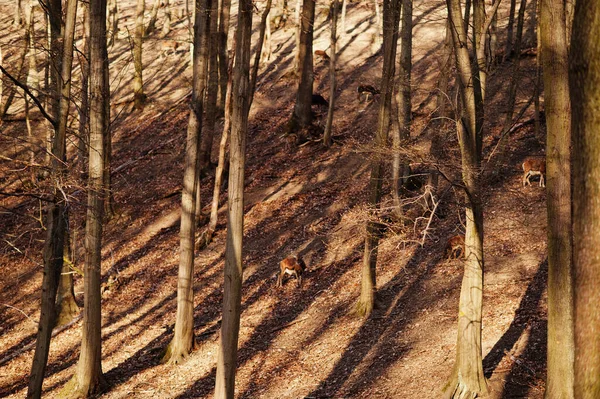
{"points": [[515, 80], [391, 15], [403, 100], [585, 94], [223, 57], [153, 17], [183, 341], [327, 141], [139, 98], [85, 77], [297, 35], [227, 358], [207, 235], [18, 21], [167, 22], [510, 30], [88, 379], [559, 380], [264, 22], [66, 306], [467, 379], [443, 96], [343, 30], [113, 19], [302, 115]]}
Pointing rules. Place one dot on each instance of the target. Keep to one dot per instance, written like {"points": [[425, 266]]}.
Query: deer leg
{"points": [[280, 280]]}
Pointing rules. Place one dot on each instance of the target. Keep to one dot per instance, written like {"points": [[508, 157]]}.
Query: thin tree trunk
{"points": [[167, 21], [443, 96], [18, 20], [84, 107], [267, 48], [207, 235], [302, 115], [515, 80], [227, 358], [113, 19], [66, 306], [139, 98], [391, 15], [403, 100], [343, 30], [327, 141], [183, 341], [585, 95], [153, 17], [261, 37], [510, 28], [560, 371], [223, 57], [298, 35], [467, 378]]}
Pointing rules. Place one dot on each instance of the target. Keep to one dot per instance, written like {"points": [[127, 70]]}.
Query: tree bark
{"points": [[223, 57], [585, 95], [66, 306], [510, 28], [327, 141], [227, 358], [88, 379], [153, 17], [467, 378], [264, 22], [391, 15], [443, 96], [512, 94], [167, 21], [403, 100], [85, 77], [183, 341], [139, 98], [302, 115]]}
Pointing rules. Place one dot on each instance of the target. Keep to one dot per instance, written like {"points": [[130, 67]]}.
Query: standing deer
{"points": [[293, 266], [534, 166]]}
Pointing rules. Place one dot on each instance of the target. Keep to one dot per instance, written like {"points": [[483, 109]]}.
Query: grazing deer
{"points": [[293, 266], [534, 166], [455, 248], [323, 54], [168, 47], [363, 89]]}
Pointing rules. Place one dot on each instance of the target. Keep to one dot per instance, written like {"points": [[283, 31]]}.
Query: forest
{"points": [[299, 199]]}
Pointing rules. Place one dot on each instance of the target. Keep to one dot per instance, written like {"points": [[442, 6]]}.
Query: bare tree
{"points": [[183, 341], [167, 21], [153, 17], [512, 94], [224, 14], [560, 372], [467, 378], [232, 291], [585, 94], [302, 115], [88, 379], [327, 141], [391, 15], [139, 98]]}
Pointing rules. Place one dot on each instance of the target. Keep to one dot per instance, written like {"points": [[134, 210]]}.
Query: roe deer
{"points": [[293, 266], [534, 166], [323, 54], [455, 248]]}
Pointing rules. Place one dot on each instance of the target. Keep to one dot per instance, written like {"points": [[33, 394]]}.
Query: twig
{"points": [[20, 311]]}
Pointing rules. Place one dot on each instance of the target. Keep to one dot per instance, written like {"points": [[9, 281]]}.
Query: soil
{"points": [[295, 342]]}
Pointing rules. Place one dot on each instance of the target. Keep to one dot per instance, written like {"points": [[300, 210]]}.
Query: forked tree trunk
{"points": [[139, 98], [232, 291], [183, 341], [327, 141], [391, 15], [467, 378], [554, 56], [400, 170], [585, 97], [57, 215], [88, 379], [302, 115]]}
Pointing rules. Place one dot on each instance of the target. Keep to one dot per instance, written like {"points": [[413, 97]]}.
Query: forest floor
{"points": [[295, 342]]}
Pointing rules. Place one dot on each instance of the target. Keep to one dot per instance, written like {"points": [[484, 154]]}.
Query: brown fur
{"points": [[322, 53], [534, 166], [455, 248], [291, 265]]}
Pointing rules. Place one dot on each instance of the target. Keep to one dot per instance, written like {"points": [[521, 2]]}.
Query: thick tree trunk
{"points": [[391, 14], [88, 379], [585, 95], [139, 98], [66, 306], [327, 141], [467, 378], [232, 292], [302, 115], [403, 101], [183, 341], [560, 372]]}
